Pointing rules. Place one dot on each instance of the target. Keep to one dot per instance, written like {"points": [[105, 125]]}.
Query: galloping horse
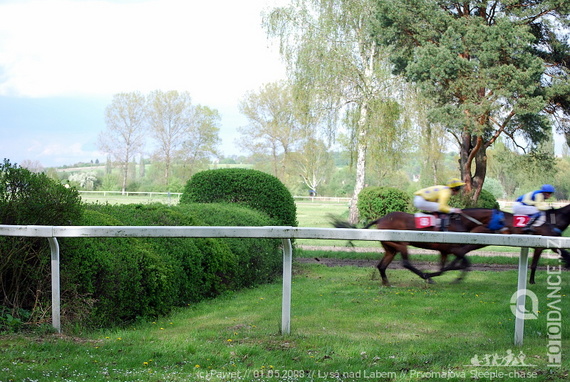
{"points": [[559, 219], [470, 220]]}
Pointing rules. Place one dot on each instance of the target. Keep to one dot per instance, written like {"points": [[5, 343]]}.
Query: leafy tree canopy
{"points": [[492, 68]]}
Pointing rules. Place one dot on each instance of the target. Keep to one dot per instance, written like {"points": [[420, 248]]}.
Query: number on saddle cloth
{"points": [[424, 220], [520, 221]]}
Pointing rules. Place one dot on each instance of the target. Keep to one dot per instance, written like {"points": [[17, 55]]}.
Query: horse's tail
{"points": [[370, 224], [340, 223]]}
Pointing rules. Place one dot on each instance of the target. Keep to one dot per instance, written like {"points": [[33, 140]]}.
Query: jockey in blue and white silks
{"points": [[534, 204]]}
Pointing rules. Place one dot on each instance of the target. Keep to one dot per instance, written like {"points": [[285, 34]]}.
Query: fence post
{"points": [[55, 284], [287, 275], [521, 297]]}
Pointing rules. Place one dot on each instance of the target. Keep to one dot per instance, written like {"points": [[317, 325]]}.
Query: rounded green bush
{"points": [[487, 200], [255, 189], [375, 202]]}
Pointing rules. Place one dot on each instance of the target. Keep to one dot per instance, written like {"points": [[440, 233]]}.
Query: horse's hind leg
{"points": [[534, 264], [464, 267], [442, 267], [403, 249], [389, 254], [459, 263]]}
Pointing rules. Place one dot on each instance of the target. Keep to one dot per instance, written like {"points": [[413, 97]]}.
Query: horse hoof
{"points": [[430, 281], [457, 281]]}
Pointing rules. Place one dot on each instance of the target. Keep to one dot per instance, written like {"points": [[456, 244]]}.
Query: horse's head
{"points": [[560, 217]]}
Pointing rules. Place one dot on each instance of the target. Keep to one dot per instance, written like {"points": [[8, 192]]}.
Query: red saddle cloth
{"points": [[424, 220], [520, 221]]}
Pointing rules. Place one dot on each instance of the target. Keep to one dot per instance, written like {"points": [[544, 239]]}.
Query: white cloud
{"points": [[216, 50], [91, 49]]}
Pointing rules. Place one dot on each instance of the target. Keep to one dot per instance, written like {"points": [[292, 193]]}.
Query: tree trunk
{"points": [[361, 147], [480, 172], [473, 164], [125, 177]]}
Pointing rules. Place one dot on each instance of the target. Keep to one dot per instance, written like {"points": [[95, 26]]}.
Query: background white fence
{"points": [[286, 234], [174, 197]]}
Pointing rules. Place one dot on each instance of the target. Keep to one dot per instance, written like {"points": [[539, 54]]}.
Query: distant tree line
{"points": [[181, 134], [378, 92]]}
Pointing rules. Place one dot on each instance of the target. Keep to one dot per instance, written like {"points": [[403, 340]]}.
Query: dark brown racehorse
{"points": [[556, 222], [470, 220], [558, 219]]}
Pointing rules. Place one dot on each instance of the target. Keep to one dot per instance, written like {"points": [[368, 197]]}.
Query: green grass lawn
{"points": [[344, 327]]}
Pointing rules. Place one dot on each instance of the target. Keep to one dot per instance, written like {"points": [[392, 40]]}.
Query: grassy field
{"points": [[344, 328]]}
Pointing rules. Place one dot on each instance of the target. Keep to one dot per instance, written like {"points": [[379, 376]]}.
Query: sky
{"points": [[61, 62]]}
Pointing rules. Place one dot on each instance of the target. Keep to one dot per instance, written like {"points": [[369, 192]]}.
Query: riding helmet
{"points": [[455, 182]]}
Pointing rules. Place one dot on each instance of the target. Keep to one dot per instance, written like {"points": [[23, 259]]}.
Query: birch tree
{"points": [[274, 128], [202, 139], [170, 119], [334, 65], [124, 137], [314, 163]]}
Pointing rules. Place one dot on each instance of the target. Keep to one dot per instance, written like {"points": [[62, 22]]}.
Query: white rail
{"points": [[287, 233]]}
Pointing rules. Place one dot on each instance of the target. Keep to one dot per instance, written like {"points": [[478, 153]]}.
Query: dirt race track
{"points": [[415, 256]]}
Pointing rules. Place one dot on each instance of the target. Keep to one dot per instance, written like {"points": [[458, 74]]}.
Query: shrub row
{"points": [[111, 281]]}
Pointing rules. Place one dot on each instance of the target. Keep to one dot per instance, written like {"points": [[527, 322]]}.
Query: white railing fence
{"points": [[286, 234]]}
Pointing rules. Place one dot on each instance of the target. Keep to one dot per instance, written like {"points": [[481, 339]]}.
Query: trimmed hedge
{"points": [[255, 189], [259, 260], [203, 267], [28, 198], [375, 202], [112, 281]]}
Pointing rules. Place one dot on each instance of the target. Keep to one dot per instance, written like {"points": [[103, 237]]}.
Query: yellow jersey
{"points": [[438, 194]]}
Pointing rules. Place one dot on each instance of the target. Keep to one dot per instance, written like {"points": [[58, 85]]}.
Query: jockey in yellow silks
{"points": [[436, 199]]}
